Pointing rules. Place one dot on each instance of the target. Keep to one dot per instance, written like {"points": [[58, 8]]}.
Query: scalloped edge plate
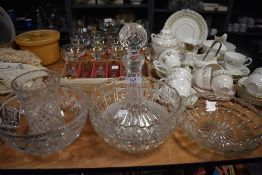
{"points": [[187, 24]]}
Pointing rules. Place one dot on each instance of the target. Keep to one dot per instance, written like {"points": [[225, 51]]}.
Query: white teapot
{"points": [[164, 39]]}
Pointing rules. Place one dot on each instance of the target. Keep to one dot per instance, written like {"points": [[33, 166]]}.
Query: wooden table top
{"points": [[90, 151]]}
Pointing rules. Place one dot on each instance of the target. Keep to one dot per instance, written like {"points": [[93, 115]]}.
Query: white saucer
{"points": [[200, 90], [242, 71]]}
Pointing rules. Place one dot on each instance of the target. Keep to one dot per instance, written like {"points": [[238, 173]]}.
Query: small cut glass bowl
{"points": [[139, 130], [14, 128], [223, 124]]}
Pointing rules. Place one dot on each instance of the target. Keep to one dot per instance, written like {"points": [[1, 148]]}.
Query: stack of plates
{"points": [[245, 95]]}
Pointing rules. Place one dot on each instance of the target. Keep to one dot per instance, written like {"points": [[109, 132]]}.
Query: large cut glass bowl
{"points": [[223, 124], [139, 126], [15, 130]]}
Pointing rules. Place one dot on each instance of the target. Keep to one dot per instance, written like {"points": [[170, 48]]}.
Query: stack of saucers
{"points": [[245, 95]]}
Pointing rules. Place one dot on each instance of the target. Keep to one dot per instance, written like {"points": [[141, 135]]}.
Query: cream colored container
{"points": [[44, 43]]}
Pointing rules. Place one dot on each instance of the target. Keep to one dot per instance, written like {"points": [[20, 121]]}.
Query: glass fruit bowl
{"points": [[15, 130], [223, 124], [136, 126]]}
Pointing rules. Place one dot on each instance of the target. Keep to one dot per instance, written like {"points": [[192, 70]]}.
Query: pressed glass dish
{"points": [[141, 126], [15, 130], [223, 124]]}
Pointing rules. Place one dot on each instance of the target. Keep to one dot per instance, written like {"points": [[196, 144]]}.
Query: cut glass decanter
{"points": [[134, 114]]}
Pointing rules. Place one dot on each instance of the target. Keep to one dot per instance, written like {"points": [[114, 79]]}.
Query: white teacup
{"points": [[222, 82], [253, 83], [235, 60], [203, 76], [180, 79], [179, 72], [170, 58], [182, 86]]}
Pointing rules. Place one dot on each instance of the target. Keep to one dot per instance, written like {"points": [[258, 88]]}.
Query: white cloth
{"points": [[9, 71]]}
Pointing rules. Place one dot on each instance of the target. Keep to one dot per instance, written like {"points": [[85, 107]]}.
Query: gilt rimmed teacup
{"points": [[202, 77], [222, 82], [181, 80], [235, 60]]}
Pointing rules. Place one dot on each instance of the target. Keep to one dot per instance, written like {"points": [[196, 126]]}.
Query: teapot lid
{"points": [[165, 33]]}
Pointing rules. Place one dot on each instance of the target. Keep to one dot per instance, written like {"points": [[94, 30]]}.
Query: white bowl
{"points": [[225, 47]]}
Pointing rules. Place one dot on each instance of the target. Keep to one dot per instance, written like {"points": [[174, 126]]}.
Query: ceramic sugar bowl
{"points": [[164, 39]]}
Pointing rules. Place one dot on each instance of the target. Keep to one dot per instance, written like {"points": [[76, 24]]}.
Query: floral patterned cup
{"points": [[235, 60], [222, 82]]}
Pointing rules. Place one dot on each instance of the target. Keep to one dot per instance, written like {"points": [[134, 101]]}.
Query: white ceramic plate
{"points": [[186, 24]]}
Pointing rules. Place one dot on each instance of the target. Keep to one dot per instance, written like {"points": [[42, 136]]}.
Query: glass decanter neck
{"points": [[133, 62]]}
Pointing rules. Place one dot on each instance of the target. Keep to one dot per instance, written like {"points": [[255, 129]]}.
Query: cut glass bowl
{"points": [[138, 127], [225, 125], [14, 129]]}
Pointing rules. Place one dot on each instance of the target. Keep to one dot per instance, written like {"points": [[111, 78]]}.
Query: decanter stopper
{"points": [[133, 36]]}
